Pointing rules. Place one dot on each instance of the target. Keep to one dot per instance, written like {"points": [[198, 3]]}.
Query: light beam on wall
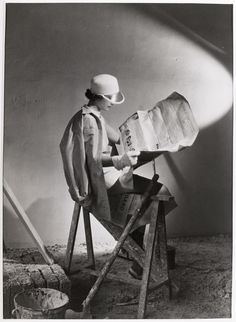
{"points": [[211, 86], [214, 85], [175, 58], [216, 89]]}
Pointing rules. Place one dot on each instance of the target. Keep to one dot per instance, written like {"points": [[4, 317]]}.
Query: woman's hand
{"points": [[128, 159]]}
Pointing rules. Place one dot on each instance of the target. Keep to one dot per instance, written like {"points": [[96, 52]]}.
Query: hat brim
{"points": [[117, 98]]}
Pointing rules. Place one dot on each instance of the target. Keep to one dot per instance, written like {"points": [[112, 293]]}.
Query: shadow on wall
{"points": [[210, 33], [14, 230], [205, 186], [200, 179], [43, 217]]}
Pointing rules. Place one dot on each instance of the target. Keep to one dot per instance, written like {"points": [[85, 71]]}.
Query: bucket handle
{"points": [[13, 313]]}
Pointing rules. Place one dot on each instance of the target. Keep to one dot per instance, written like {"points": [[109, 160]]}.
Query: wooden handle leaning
{"points": [[26, 222]]}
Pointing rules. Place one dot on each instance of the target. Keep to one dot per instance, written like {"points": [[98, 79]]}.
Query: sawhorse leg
{"points": [[89, 240], [147, 265], [161, 239], [72, 237], [156, 239]]}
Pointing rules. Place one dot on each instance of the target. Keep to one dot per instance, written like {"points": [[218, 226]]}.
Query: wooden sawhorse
{"points": [[153, 259]]}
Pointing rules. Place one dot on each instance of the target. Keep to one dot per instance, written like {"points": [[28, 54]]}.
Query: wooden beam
{"points": [[147, 265], [26, 222], [72, 237]]}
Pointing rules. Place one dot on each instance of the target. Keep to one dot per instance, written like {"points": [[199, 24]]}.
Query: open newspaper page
{"points": [[169, 126]]}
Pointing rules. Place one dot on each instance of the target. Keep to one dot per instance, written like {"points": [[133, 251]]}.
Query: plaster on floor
{"points": [[203, 274]]}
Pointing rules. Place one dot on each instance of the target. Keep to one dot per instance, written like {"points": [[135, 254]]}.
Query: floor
{"points": [[202, 278]]}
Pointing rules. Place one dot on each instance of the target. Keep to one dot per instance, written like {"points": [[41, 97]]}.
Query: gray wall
{"points": [[52, 51]]}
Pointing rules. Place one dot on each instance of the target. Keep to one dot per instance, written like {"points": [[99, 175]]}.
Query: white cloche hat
{"points": [[107, 86]]}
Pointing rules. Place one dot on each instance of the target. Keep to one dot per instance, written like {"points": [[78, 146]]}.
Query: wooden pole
{"points": [[26, 222]]}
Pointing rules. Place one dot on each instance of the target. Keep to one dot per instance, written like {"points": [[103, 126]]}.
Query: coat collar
{"points": [[91, 109]]}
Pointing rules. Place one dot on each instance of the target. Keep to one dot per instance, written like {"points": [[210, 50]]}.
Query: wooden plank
{"points": [[147, 266], [89, 240], [72, 237], [26, 222]]}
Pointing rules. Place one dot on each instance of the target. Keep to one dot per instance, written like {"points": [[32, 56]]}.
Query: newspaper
{"points": [[169, 126]]}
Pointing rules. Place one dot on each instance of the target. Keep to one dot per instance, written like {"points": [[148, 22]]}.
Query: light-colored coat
{"points": [[82, 163]]}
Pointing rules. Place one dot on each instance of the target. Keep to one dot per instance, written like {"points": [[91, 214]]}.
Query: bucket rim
{"points": [[40, 310]]}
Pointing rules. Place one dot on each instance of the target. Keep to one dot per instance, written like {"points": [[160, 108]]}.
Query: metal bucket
{"points": [[40, 303]]}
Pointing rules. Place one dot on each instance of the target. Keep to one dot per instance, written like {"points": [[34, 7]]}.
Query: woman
{"points": [[98, 179]]}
